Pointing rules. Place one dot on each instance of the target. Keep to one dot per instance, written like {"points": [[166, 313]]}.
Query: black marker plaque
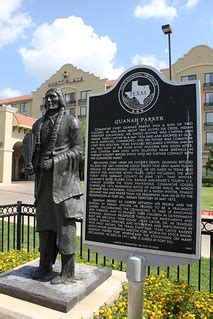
{"points": [[142, 160]]}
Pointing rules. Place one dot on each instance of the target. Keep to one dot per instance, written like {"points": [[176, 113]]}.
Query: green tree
{"points": [[209, 163], [82, 159], [84, 132]]}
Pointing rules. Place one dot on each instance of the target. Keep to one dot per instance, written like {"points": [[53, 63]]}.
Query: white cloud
{"points": [[8, 92], [155, 9], [69, 40], [191, 3], [13, 22], [150, 60]]}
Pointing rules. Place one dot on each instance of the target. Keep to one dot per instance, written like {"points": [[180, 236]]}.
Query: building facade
{"points": [[197, 64], [18, 114], [23, 103], [13, 128], [76, 86]]}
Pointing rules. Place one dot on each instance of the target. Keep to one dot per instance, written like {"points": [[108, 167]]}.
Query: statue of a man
{"points": [[58, 193]]}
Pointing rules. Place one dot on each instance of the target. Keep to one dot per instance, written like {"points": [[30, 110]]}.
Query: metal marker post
{"points": [[136, 273], [19, 203]]}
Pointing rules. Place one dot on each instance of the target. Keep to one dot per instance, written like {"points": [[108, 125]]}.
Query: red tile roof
{"points": [[17, 99], [23, 121], [110, 82]]}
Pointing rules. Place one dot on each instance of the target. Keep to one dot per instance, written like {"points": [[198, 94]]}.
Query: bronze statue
{"points": [[55, 146]]}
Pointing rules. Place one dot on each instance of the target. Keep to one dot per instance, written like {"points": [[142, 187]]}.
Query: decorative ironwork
{"points": [[8, 210], [207, 226], [82, 102], [28, 210], [24, 216], [71, 103]]}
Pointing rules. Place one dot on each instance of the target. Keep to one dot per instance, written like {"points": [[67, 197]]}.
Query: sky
{"points": [[104, 37]]}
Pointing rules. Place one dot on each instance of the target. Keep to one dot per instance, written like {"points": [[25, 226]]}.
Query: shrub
{"points": [[15, 258], [207, 180], [163, 298]]}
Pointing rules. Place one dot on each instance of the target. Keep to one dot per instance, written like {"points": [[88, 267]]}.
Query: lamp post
{"points": [[167, 30]]}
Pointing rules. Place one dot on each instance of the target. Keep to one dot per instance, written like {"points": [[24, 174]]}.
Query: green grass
{"points": [[207, 204], [99, 260], [9, 231], [188, 273], [183, 272], [207, 198]]}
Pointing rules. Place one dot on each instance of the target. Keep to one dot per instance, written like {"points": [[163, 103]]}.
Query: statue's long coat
{"points": [[58, 190], [66, 155]]}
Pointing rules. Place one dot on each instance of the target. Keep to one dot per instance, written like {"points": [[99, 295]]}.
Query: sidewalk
{"points": [[17, 191], [12, 308], [23, 191]]}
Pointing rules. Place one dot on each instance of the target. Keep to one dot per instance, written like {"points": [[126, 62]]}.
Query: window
{"points": [[209, 138], [209, 98], [70, 97], [13, 105], [208, 79], [83, 111], [70, 111], [84, 94], [23, 107], [209, 118], [188, 78]]}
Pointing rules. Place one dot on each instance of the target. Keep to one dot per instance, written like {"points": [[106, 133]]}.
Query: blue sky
{"points": [[103, 37]]}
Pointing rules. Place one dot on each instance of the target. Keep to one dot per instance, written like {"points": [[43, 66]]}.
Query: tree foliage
{"points": [[209, 163]]}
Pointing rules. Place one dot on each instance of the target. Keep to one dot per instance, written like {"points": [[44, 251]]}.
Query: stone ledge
{"points": [[18, 283], [14, 308], [5, 314]]}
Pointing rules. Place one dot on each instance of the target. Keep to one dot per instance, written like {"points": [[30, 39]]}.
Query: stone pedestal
{"points": [[63, 297]]}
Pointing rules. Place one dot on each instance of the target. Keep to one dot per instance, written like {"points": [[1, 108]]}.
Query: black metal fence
{"points": [[18, 228]]}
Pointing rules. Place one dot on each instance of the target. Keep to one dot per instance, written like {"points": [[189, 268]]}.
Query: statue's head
{"points": [[54, 99]]}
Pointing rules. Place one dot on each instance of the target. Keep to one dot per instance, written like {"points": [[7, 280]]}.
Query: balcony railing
{"points": [[208, 103], [208, 124], [71, 103], [82, 102], [42, 107], [208, 86], [208, 146], [82, 116], [208, 83]]}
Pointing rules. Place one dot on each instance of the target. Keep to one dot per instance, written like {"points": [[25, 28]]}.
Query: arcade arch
{"points": [[18, 165]]}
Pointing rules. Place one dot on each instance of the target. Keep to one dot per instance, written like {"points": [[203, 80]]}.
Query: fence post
{"points": [[136, 273], [211, 263], [18, 246], [81, 240]]}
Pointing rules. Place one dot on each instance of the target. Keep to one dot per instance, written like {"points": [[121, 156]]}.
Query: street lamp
{"points": [[167, 30]]}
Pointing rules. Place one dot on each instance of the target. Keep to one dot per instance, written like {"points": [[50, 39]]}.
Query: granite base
{"points": [[63, 297]]}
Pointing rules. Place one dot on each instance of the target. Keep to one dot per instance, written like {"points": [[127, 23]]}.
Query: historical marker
{"points": [[143, 168]]}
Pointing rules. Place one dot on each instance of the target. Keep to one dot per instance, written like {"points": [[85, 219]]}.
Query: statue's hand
{"points": [[47, 164], [29, 169]]}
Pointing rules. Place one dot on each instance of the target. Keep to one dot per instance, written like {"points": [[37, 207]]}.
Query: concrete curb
{"points": [[12, 308]]}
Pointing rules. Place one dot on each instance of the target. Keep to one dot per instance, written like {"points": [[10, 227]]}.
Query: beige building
{"points": [[18, 114], [13, 128], [197, 64], [75, 84], [23, 103]]}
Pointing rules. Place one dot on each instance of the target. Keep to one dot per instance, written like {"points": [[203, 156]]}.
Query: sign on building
{"points": [[143, 171]]}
